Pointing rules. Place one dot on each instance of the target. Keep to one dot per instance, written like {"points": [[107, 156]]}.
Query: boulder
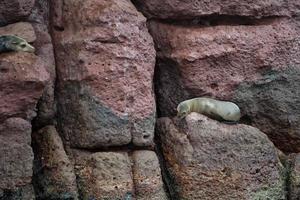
{"points": [[16, 160], [103, 175], [206, 159], [105, 66], [175, 9], [14, 10], [54, 173], [147, 176], [23, 77]]}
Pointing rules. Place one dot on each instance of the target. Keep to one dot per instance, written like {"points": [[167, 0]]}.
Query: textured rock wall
{"points": [[77, 117]]}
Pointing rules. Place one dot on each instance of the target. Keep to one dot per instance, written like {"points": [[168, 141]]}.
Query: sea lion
{"points": [[220, 110], [14, 43]]}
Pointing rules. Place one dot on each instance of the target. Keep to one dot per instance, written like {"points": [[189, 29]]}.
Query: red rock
{"points": [[22, 82], [147, 177], [174, 9], [14, 10], [256, 66], [16, 157], [105, 68], [103, 175], [206, 159], [46, 108], [21, 29], [54, 173]]}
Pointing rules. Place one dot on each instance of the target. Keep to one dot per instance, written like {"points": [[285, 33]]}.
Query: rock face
{"points": [[14, 10], [119, 175], [16, 159], [229, 62], [103, 175], [294, 179], [147, 176], [23, 78], [206, 159], [272, 104], [54, 173], [44, 49], [105, 68], [22, 82], [175, 9], [21, 29]]}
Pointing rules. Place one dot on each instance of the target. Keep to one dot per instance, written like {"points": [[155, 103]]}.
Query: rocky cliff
{"points": [[91, 115]]}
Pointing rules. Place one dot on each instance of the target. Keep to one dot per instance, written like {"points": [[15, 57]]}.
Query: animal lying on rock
{"points": [[14, 43], [220, 110]]}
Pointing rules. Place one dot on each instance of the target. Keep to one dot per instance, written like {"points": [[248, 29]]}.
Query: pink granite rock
{"points": [[105, 68], [177, 9], [206, 159]]}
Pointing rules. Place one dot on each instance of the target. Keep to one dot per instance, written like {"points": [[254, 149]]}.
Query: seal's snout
{"points": [[30, 48]]}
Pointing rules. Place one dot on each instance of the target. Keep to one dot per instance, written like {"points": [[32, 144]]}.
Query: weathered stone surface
{"points": [[245, 64], [147, 177], [210, 160], [105, 68], [21, 29], [273, 105], [22, 81], [294, 179], [44, 50], [103, 175], [188, 9], [14, 10], [16, 158], [21, 193], [54, 173]]}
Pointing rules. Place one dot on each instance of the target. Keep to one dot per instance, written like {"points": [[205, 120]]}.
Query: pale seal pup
{"points": [[221, 110], [14, 43]]}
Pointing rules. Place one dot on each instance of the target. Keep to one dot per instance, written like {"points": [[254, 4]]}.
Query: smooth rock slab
{"points": [[103, 175], [189, 9], [16, 160], [147, 176], [54, 173], [105, 65], [206, 159]]}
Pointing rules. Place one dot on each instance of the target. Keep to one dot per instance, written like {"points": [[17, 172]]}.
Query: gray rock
{"points": [[206, 159]]}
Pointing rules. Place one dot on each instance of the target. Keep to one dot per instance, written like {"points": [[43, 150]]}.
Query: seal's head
{"points": [[183, 109], [14, 43]]}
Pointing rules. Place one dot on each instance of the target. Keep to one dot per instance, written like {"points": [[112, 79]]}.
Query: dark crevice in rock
{"points": [[168, 88], [167, 177], [221, 20], [125, 148]]}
